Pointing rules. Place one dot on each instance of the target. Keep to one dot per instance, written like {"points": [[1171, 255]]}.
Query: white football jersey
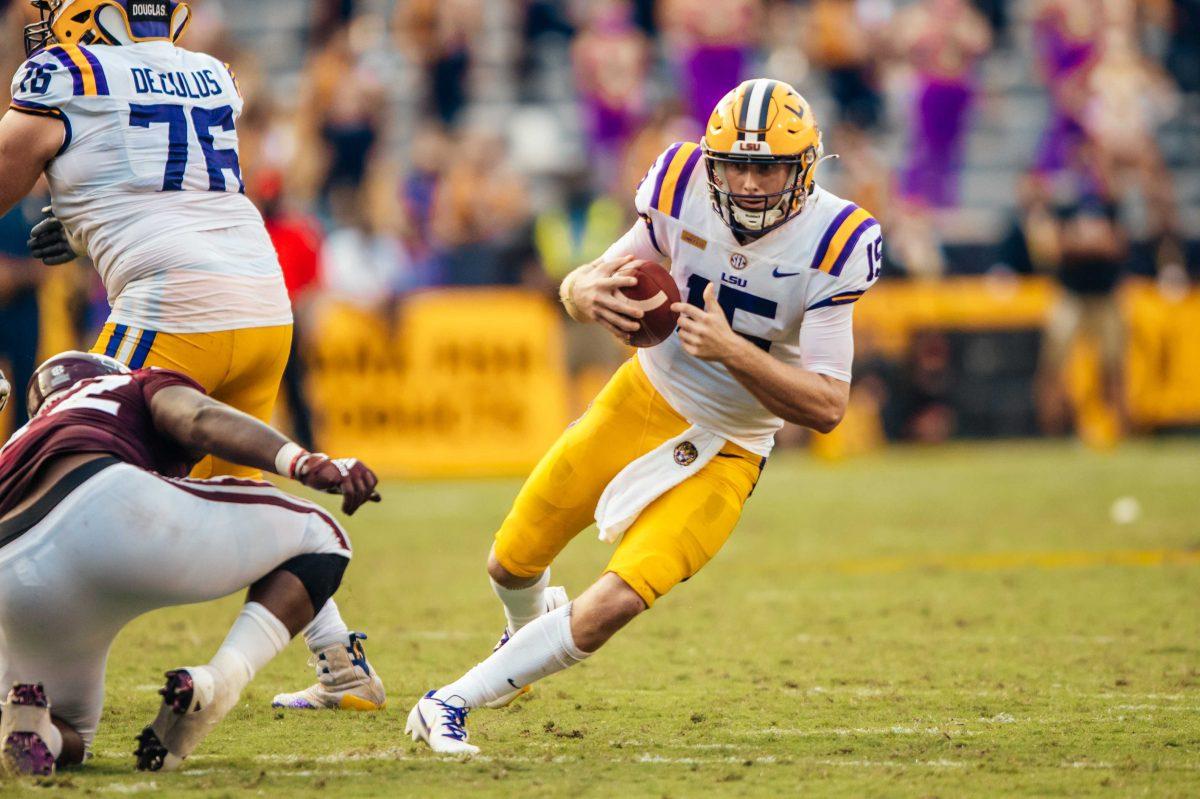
{"points": [[148, 178], [828, 255]]}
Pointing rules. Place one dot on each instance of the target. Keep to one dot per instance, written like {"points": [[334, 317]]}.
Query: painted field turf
{"points": [[964, 621]]}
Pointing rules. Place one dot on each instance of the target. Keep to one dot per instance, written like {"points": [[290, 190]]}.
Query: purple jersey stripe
{"points": [[845, 298], [65, 60], [97, 70], [662, 173], [44, 110], [28, 105], [823, 247], [844, 255], [681, 184], [653, 238]]}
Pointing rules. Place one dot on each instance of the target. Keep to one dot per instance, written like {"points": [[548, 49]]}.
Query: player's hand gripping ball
{"points": [[654, 293]]}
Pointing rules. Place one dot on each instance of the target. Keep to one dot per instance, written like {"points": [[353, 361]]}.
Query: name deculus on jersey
{"points": [[192, 85]]}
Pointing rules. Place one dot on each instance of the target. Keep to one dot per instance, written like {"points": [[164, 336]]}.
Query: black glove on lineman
{"points": [[349, 477], [48, 241]]}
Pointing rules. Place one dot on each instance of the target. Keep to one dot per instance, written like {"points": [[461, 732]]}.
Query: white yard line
{"points": [[850, 731]]}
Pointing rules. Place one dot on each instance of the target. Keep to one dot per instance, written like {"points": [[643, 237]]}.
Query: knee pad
{"points": [[321, 575]]}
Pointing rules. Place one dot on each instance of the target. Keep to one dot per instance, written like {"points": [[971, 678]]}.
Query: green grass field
{"points": [[964, 621]]}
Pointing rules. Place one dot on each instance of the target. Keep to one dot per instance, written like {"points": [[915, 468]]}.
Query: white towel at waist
{"points": [[650, 476]]}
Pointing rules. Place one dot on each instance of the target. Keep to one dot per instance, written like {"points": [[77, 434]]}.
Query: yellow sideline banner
{"points": [[1162, 362], [460, 382]]}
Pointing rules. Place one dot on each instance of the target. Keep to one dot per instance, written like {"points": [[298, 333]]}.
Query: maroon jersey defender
{"points": [[98, 526], [107, 415]]}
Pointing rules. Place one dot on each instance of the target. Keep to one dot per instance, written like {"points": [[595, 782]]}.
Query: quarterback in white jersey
{"points": [[667, 454], [138, 140]]}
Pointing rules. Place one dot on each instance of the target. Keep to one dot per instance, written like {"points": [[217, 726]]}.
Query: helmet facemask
{"points": [[769, 210], [38, 35]]}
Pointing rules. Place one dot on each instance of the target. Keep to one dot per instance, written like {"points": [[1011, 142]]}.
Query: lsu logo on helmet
{"points": [[762, 121], [115, 22]]}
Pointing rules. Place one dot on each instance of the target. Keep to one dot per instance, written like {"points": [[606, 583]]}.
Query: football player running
{"points": [[137, 138], [98, 525], [666, 456]]}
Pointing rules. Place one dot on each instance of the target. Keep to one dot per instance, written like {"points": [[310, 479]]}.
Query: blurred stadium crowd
{"points": [[394, 146]]}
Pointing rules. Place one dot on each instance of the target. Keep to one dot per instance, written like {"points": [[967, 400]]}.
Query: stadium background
{"points": [[429, 171]]}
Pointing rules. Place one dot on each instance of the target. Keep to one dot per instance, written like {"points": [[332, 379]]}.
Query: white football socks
{"points": [[543, 647], [326, 628], [522, 605], [255, 638]]}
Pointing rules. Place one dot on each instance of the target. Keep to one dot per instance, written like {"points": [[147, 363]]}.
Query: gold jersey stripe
{"points": [[844, 231]]}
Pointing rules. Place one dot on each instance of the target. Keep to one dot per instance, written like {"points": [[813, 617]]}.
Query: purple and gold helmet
{"points": [[65, 370], [5, 390], [105, 22]]}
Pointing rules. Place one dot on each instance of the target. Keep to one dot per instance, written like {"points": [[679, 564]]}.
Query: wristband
{"points": [[286, 459], [564, 295]]}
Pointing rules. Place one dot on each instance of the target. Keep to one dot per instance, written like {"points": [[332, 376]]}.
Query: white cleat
{"points": [[345, 681], [440, 724], [195, 700], [25, 727], [555, 597]]}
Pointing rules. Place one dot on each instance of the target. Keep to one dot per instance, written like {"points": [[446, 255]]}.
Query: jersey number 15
{"points": [[203, 120]]}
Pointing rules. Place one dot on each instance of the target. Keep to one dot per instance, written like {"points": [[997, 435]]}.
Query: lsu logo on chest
{"points": [[735, 294]]}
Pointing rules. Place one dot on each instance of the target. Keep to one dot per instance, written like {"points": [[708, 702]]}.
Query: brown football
{"points": [[654, 293]]}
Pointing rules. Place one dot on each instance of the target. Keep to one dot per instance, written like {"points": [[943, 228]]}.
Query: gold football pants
{"points": [[673, 537], [239, 367]]}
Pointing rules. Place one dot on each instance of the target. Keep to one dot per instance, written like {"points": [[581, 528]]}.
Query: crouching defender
{"points": [[98, 525]]}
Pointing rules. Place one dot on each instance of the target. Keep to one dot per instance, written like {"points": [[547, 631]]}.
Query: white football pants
{"points": [[126, 542]]}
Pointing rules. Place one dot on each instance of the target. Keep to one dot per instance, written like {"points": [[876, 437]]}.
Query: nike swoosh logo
{"points": [[777, 273], [513, 684]]}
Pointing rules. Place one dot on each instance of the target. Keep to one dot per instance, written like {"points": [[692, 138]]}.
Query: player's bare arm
{"points": [[27, 143], [592, 293], [791, 393], [202, 425]]}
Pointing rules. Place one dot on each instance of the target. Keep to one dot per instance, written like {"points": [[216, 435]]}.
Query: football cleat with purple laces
{"points": [[442, 724]]}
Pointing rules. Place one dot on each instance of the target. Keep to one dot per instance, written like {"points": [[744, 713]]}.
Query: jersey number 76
{"points": [[203, 120]]}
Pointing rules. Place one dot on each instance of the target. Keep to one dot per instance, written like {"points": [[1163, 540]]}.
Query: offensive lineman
{"points": [[770, 265], [137, 138], [99, 525]]}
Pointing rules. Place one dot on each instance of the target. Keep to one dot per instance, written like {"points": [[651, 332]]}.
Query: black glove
{"points": [[49, 243], [349, 477]]}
